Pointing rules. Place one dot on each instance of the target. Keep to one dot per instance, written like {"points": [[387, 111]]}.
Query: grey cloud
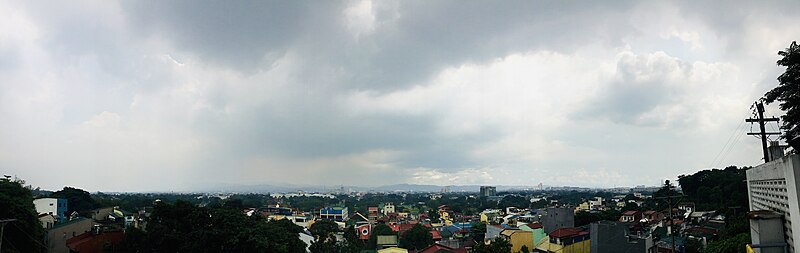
{"points": [[641, 84], [100, 63]]}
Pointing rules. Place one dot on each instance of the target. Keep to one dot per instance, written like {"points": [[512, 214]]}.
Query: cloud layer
{"points": [[138, 96]]}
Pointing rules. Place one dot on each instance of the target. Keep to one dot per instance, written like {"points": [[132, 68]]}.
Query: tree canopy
{"points": [[380, 229], [77, 200], [22, 235], [184, 227], [788, 91], [418, 237], [498, 245]]}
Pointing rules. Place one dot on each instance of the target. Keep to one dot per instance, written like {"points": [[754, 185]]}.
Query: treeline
{"points": [[185, 227], [724, 191]]}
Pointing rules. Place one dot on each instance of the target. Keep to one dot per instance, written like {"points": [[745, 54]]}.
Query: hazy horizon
{"points": [[152, 96]]}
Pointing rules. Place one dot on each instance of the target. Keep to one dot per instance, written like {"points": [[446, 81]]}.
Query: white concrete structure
{"points": [[52, 206], [388, 208], [774, 186]]}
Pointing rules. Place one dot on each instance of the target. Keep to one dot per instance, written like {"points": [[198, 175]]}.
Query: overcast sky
{"points": [[173, 95]]}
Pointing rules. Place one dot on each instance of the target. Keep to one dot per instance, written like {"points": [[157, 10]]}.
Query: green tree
{"points": [[184, 227], [380, 229], [77, 200], [324, 232], [24, 234], [513, 201], [418, 237], [693, 246], [323, 228], [730, 245], [524, 249], [352, 243], [630, 206], [788, 91], [478, 231]]}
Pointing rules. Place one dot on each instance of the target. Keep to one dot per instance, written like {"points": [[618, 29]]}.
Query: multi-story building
{"points": [[615, 237], [566, 240], [774, 186], [388, 208], [52, 206], [557, 217], [334, 213], [488, 191]]}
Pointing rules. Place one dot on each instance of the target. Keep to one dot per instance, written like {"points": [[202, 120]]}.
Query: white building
{"points": [[52, 206], [774, 186], [388, 208]]}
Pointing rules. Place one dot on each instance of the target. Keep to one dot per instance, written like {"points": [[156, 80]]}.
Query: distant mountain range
{"points": [[283, 188]]}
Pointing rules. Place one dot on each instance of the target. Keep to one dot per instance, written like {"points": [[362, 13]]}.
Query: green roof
{"points": [[387, 240]]}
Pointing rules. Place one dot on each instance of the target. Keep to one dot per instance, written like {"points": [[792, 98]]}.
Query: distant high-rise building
{"points": [[773, 186], [488, 191]]}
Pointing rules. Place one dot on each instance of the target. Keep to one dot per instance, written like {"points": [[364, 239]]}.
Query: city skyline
{"points": [[159, 96]]}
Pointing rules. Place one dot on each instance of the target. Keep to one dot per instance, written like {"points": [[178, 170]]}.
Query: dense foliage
{"points": [[24, 234], [499, 245], [733, 244], [721, 190], [788, 91], [379, 229], [418, 237], [77, 200], [184, 227]]}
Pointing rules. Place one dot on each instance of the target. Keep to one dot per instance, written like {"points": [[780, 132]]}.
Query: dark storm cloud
{"points": [[393, 91]]}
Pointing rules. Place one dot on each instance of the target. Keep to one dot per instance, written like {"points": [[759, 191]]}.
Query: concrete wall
{"points": [[57, 207], [610, 237], [558, 217], [774, 186], [521, 238], [57, 237]]}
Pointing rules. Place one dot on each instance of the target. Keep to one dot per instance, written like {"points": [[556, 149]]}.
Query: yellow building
{"points": [[518, 238], [393, 250], [583, 207], [565, 240]]}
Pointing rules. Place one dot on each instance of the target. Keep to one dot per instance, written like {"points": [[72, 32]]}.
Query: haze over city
{"points": [[160, 96]]}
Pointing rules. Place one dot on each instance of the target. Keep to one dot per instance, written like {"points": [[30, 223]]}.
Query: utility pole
{"points": [[671, 223], [763, 133], [2, 230]]}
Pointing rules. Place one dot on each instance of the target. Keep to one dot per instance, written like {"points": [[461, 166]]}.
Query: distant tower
{"points": [[488, 191]]}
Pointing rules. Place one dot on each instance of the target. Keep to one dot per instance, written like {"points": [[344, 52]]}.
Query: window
{"points": [[51, 204]]}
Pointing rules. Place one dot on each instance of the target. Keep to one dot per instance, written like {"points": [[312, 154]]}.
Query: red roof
{"points": [[535, 225], [629, 213], [402, 228], [436, 235], [89, 242], [701, 230], [436, 248], [565, 232]]}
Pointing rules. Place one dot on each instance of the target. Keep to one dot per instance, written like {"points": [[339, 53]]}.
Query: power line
{"points": [[731, 147], [29, 236], [730, 138]]}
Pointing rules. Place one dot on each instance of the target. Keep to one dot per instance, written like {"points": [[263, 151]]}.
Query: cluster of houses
{"points": [[73, 233], [550, 229]]}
